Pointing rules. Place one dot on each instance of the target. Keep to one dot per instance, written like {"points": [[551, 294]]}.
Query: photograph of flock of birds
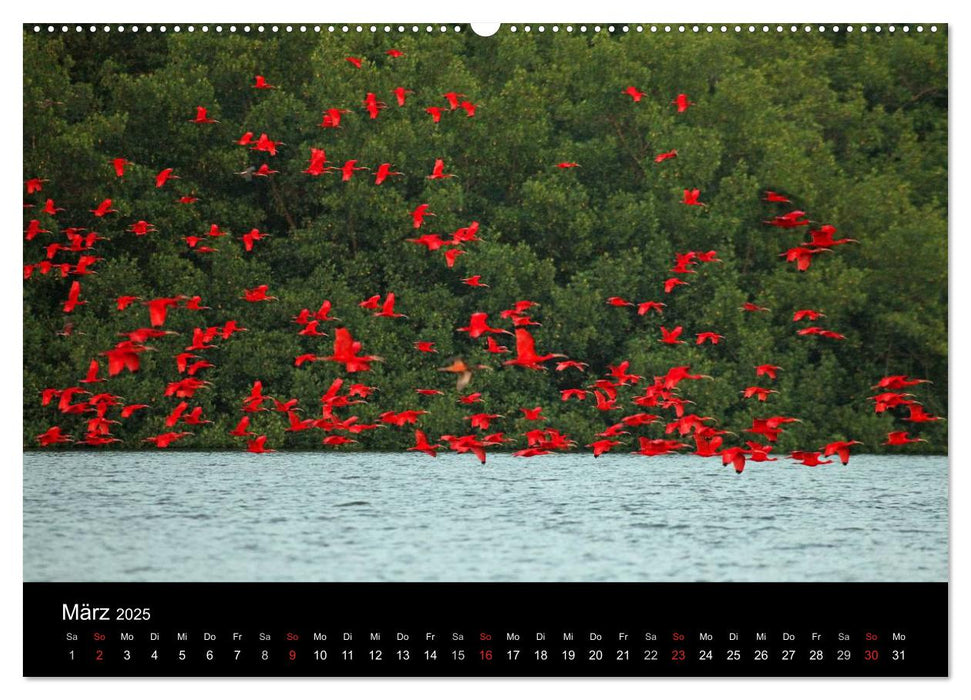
{"points": [[732, 245]]}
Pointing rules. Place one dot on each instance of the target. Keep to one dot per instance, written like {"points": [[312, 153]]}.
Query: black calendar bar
{"points": [[487, 629]]}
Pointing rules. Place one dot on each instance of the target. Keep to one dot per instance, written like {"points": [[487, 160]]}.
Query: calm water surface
{"points": [[230, 516]]}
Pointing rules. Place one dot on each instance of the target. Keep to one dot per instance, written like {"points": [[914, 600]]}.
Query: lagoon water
{"points": [[230, 516]]}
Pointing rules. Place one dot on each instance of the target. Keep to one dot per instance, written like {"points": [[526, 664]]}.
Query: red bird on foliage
{"points": [[73, 298], [400, 95], [422, 445], [258, 294], [901, 438], [672, 337], [661, 157], [682, 102], [103, 209], [479, 325], [634, 93], [526, 355], [438, 171], [202, 117], [383, 172], [164, 176], [841, 448], [690, 198], [419, 214], [261, 84]]}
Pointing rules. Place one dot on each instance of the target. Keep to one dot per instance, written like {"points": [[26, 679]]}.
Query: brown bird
{"points": [[463, 370]]}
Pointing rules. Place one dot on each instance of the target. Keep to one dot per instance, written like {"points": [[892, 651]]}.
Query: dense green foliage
{"points": [[853, 128]]}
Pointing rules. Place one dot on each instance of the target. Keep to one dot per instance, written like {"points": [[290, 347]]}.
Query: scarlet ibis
{"points": [[373, 105], [474, 281], [633, 93], [671, 283], [566, 165], [682, 102], [387, 308], [823, 238], [646, 306], [103, 209], [242, 428], [49, 208], [400, 94], [33, 228], [690, 198], [758, 392], [482, 420], [453, 99], [619, 301], [671, 337], [164, 176], [571, 364], [803, 256], [767, 370], [258, 445], [815, 330], [810, 459], [354, 61], [436, 113], [165, 439], [331, 119], [468, 107], [898, 381], [495, 348], [811, 314], [73, 298], [128, 411], [202, 117], [770, 196], [422, 445], [840, 448], [349, 168], [346, 351], [92, 375], [901, 438], [258, 294], [793, 219], [318, 161], [526, 355], [708, 336], [261, 84], [532, 414], [451, 255], [734, 456], [890, 399], [919, 415], [479, 325], [438, 171], [141, 228], [419, 214], [425, 346], [53, 436], [749, 306], [119, 164]]}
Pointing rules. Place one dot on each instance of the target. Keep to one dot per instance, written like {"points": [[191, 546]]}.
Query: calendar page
{"points": [[611, 349]]}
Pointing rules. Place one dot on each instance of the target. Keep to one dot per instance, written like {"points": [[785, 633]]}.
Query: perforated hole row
{"points": [[512, 28]]}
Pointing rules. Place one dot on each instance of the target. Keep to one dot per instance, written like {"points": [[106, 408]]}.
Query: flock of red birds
{"points": [[687, 430]]}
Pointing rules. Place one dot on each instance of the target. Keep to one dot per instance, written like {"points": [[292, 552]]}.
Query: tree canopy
{"points": [[851, 129]]}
